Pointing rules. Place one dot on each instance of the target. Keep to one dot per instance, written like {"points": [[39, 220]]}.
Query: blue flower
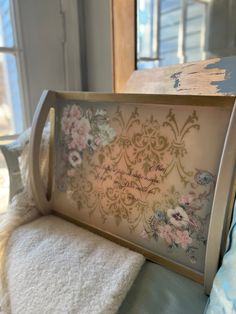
{"points": [[203, 177], [61, 186], [158, 215]]}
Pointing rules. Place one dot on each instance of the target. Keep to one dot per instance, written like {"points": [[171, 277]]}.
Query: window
{"points": [[170, 32], [210, 29], [35, 54], [11, 116], [11, 113]]}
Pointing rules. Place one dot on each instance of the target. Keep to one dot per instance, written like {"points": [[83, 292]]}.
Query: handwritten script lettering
{"points": [[126, 184], [132, 174]]}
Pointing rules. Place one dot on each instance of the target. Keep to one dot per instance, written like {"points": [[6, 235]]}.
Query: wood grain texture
{"points": [[209, 77], [222, 204], [123, 42]]}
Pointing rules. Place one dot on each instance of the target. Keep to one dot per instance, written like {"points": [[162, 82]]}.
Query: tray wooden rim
{"points": [[49, 100]]}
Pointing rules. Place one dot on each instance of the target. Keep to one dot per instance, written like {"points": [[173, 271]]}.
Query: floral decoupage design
{"points": [[83, 131], [118, 165]]}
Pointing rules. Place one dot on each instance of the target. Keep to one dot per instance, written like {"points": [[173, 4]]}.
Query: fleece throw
{"points": [[51, 266], [57, 267]]}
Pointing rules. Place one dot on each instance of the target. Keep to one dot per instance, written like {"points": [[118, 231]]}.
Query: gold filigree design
{"points": [[138, 145], [123, 142], [149, 144], [177, 146], [122, 173]]}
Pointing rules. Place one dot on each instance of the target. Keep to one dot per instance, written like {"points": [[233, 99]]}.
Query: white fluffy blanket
{"points": [[57, 267], [48, 265]]}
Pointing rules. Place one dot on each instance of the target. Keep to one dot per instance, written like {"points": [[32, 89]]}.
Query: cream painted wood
{"points": [[46, 102], [11, 157], [224, 192]]}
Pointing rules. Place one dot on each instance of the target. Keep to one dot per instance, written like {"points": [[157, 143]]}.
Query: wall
{"points": [[97, 40], [48, 35], [42, 39]]}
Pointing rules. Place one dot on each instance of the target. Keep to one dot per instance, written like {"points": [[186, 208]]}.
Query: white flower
{"points": [[74, 158], [100, 112], [82, 127], [178, 217], [106, 134]]}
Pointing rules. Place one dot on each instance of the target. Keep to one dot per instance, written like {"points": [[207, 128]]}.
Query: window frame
{"points": [[123, 31], [69, 33], [17, 52], [20, 61]]}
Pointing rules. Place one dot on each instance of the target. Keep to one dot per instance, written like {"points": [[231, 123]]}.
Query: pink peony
{"points": [[66, 111], [185, 199], [65, 124], [78, 142], [166, 232], [183, 238], [97, 140], [72, 145], [80, 134], [75, 112], [82, 127], [71, 172], [144, 234]]}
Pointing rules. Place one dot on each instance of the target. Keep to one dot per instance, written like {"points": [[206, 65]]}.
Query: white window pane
{"points": [[161, 24], [146, 28], [6, 31], [11, 119]]}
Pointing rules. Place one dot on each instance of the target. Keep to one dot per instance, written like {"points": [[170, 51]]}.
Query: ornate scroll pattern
{"points": [[177, 147], [123, 142], [149, 145], [116, 167]]}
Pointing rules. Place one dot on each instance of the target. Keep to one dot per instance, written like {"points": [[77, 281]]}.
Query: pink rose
{"points": [[166, 232], [66, 111], [82, 127], [183, 238], [71, 172], [72, 145], [65, 124], [79, 142], [185, 199], [97, 140], [144, 234], [80, 134], [75, 112]]}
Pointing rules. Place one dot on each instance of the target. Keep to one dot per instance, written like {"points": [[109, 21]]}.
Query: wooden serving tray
{"points": [[155, 173]]}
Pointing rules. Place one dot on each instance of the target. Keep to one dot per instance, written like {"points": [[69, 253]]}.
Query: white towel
{"points": [[56, 267]]}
